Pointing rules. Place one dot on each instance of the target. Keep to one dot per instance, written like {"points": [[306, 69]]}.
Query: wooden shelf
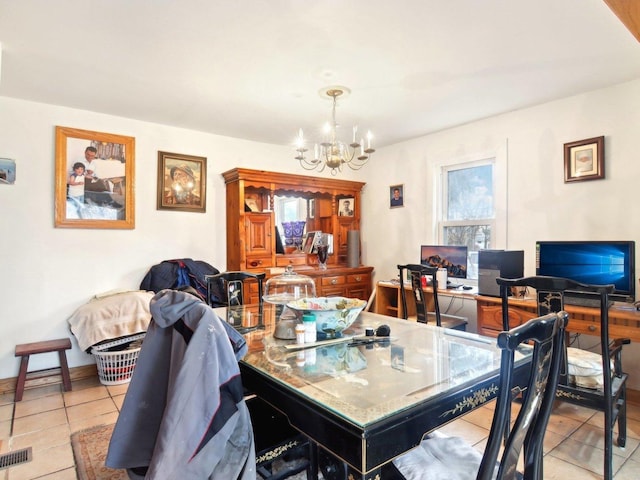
{"points": [[251, 235]]}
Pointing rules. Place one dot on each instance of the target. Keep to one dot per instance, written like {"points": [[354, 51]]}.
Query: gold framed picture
{"points": [[182, 182], [94, 179]]}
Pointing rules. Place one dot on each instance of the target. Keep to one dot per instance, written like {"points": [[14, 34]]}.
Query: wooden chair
{"points": [[451, 458], [416, 273], [610, 398]]}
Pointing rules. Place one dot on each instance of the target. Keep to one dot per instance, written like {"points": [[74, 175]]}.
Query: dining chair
{"points": [[443, 457], [235, 286], [416, 272], [281, 451], [592, 380]]}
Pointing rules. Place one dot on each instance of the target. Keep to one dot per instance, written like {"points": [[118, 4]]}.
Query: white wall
{"points": [[47, 272], [540, 205]]}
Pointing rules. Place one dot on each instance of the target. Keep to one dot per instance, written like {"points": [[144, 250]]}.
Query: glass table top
{"points": [[367, 383]]}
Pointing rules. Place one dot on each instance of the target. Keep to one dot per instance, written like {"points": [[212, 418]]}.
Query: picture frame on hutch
{"points": [[584, 160], [346, 207], [94, 179], [182, 182]]}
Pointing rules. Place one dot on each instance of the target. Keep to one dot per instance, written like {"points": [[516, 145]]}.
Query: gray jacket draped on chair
{"points": [[184, 415]]}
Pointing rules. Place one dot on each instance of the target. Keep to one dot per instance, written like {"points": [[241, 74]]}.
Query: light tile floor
{"points": [[46, 418]]}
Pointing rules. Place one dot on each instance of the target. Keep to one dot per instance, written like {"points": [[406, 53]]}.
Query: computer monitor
{"points": [[594, 262], [451, 257]]}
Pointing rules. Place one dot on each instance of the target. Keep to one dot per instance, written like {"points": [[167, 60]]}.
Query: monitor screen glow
{"points": [[451, 257], [591, 262]]}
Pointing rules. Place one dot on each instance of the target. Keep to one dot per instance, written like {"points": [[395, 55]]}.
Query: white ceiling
{"points": [[253, 68]]}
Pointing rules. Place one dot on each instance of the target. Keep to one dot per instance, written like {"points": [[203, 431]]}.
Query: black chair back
{"points": [[423, 313], [416, 272], [234, 286], [547, 335], [611, 399]]}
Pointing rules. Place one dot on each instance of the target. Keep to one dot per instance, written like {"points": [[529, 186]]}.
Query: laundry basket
{"points": [[116, 359]]}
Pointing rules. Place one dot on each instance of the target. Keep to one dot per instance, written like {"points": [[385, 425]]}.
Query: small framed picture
{"points": [[584, 160], [251, 204], [7, 171], [396, 196], [182, 181], [310, 241], [346, 207]]}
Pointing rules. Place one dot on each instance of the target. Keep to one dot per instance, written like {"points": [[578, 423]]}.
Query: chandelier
{"points": [[330, 152]]}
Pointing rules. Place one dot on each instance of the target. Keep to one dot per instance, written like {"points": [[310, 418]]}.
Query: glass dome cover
{"points": [[288, 287]]}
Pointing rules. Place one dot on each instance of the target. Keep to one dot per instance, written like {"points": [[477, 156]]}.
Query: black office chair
{"points": [[450, 457], [416, 272], [281, 451], [607, 395]]}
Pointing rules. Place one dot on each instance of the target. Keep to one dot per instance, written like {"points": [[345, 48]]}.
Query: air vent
{"points": [[15, 458]]}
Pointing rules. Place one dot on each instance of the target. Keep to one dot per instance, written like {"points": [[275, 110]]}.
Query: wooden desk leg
{"points": [[22, 377]]}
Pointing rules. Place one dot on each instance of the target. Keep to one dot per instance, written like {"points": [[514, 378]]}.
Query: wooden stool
{"points": [[26, 349]]}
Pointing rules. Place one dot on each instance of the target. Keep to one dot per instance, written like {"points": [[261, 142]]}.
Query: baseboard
{"points": [[48, 377], [633, 396]]}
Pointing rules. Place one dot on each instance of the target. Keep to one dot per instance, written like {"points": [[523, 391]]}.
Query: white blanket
{"points": [[109, 316], [439, 457]]}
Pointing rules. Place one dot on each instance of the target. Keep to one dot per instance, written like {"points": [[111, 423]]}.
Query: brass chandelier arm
{"points": [[334, 154]]}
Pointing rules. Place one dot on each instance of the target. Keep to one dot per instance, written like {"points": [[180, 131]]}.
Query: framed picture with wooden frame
{"points": [[94, 179], [584, 160], [182, 182]]}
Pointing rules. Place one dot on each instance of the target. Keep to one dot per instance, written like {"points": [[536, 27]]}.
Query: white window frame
{"points": [[498, 158]]}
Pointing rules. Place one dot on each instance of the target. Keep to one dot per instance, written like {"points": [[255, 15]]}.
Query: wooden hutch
{"points": [[251, 234]]}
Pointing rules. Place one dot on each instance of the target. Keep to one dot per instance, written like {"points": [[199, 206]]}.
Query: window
{"points": [[468, 210]]}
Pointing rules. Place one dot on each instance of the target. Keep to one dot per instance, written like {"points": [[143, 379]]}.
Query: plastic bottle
{"points": [[309, 322], [300, 333]]}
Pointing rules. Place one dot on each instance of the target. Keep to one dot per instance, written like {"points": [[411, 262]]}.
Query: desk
{"points": [[368, 404], [388, 299], [624, 322]]}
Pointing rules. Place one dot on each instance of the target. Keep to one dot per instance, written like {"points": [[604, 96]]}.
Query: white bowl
{"points": [[333, 314]]}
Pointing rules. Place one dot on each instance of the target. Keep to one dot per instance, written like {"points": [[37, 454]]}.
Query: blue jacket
{"points": [[184, 415], [182, 272]]}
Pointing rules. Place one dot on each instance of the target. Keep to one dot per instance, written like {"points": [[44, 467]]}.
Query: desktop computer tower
{"points": [[498, 263]]}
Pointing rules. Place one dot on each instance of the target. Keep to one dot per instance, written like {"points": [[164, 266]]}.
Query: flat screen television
{"points": [[593, 262], [451, 257]]}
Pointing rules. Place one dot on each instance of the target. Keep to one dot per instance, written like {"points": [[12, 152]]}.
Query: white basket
{"points": [[115, 368]]}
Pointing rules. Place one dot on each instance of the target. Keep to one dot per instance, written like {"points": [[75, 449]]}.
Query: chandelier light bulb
{"points": [[331, 152]]}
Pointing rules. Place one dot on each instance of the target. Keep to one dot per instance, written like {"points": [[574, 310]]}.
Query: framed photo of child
{"points": [[396, 196], [94, 179]]}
